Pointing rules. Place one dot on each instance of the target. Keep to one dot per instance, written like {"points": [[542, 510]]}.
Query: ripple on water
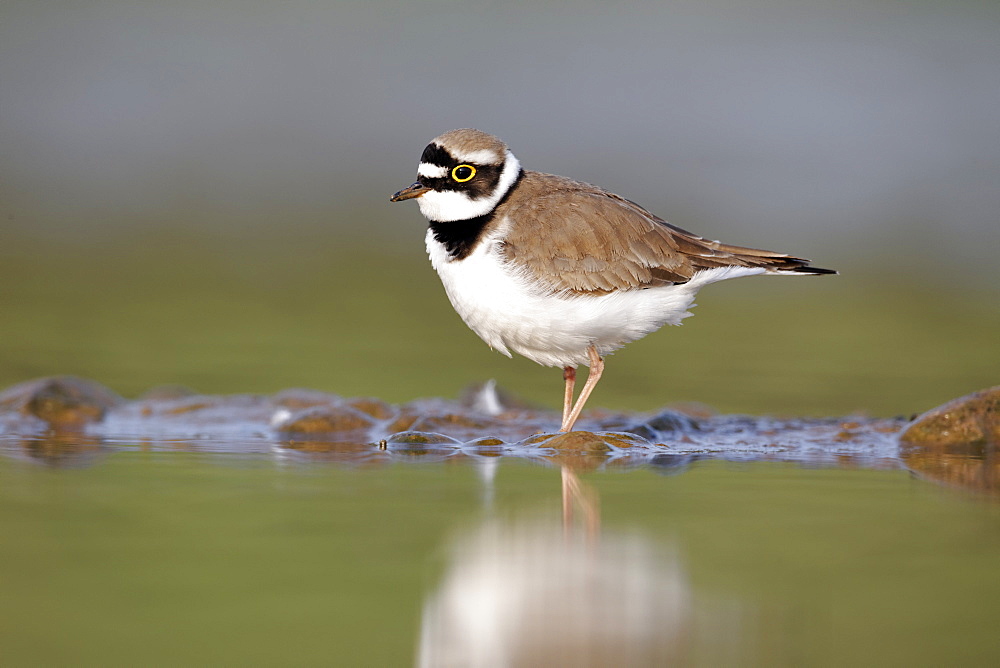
{"points": [[68, 413]]}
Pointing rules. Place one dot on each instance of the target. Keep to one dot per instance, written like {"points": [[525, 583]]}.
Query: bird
{"points": [[560, 271]]}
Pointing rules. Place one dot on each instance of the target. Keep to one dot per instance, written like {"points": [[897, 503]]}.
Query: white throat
{"points": [[448, 205]]}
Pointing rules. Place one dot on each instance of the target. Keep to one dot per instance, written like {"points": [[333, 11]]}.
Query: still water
{"points": [[174, 552]]}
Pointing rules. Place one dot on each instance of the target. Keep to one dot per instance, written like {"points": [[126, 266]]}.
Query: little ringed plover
{"points": [[559, 271]]}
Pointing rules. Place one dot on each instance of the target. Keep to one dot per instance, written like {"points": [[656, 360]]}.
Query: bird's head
{"points": [[462, 174]]}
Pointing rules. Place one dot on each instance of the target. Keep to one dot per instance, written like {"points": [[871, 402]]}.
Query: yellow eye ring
{"points": [[463, 173]]}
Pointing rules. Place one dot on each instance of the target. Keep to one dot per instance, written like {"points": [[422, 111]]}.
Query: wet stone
{"points": [[644, 431], [486, 446], [539, 439], [422, 444], [958, 443], [452, 422], [296, 398], [669, 424], [325, 420], [221, 415], [421, 438], [372, 407], [402, 423], [577, 450], [585, 441], [972, 419], [622, 440], [576, 441], [61, 401], [486, 441], [672, 421]]}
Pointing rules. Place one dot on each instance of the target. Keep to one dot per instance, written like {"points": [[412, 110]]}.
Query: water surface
{"points": [[146, 552]]}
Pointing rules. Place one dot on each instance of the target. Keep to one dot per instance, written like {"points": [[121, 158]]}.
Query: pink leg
{"points": [[596, 369], [569, 375]]}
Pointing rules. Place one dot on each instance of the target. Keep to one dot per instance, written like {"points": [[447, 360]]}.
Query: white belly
{"points": [[510, 315]]}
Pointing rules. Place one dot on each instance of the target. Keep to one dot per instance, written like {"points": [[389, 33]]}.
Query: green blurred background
{"points": [[196, 193]]}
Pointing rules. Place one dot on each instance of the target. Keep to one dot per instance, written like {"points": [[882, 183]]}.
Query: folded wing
{"points": [[575, 238]]}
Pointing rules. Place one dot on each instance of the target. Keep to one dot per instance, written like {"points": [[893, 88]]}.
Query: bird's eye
{"points": [[463, 173]]}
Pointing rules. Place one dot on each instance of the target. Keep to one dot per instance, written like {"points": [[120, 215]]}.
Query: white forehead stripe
{"points": [[430, 171], [481, 157], [447, 205]]}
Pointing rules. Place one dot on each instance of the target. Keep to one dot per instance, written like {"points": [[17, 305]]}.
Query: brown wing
{"points": [[577, 238]]}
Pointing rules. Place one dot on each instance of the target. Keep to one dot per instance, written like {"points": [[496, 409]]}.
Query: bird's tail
{"points": [[771, 262], [707, 254]]}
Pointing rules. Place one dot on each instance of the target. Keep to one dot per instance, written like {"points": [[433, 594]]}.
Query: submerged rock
{"points": [[421, 438], [586, 441], [63, 402], [325, 420], [584, 450], [579, 442], [487, 446], [421, 444]]}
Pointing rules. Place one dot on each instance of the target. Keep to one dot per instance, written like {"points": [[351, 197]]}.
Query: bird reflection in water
{"points": [[545, 592], [575, 494]]}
